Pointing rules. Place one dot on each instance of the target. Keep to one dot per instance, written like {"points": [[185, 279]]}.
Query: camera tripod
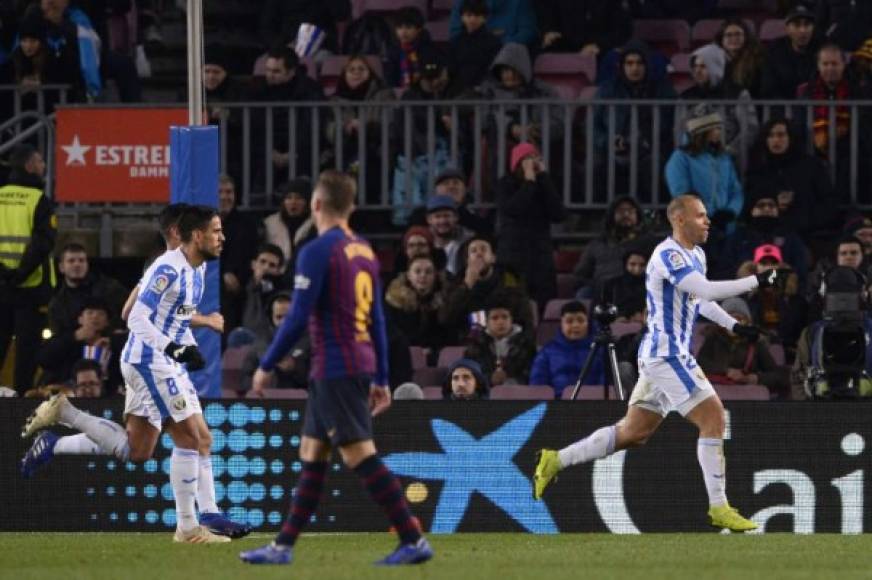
{"points": [[603, 344]]}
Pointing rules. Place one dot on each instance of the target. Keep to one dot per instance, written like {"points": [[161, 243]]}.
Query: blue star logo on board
{"points": [[481, 465]]}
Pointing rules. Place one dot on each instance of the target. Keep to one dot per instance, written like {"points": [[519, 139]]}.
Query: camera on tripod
{"points": [[605, 314], [839, 342]]}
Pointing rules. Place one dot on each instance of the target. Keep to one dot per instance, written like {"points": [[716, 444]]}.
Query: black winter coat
{"points": [[785, 69], [605, 23]]}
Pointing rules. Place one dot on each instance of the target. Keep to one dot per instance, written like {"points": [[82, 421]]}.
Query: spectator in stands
{"points": [[702, 166], [527, 205], [280, 21], [744, 56], [603, 256], [434, 85], [509, 20], [287, 81], [80, 284], [762, 225], [62, 47], [448, 234], [241, 243], [404, 61], [783, 312], [291, 226], [728, 359], [87, 379], [479, 278], [475, 47], [413, 301], [266, 279], [512, 78], [222, 88], [801, 182], [627, 291], [34, 65], [790, 61], [292, 372], [452, 182], [359, 83], [846, 22], [92, 338], [465, 381], [861, 228], [740, 121], [559, 362], [418, 241], [502, 348], [830, 83], [635, 80], [590, 27], [850, 253]]}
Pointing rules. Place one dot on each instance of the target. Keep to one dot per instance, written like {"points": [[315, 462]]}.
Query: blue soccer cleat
{"points": [[416, 553], [39, 454], [269, 554], [219, 524]]}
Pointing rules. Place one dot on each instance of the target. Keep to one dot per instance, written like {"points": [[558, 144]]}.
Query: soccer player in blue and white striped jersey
{"points": [[669, 377]]}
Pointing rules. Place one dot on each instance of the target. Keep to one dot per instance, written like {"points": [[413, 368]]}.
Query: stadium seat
{"points": [[229, 394], [589, 393], [438, 30], [534, 307], [668, 36], [546, 330], [565, 260], [565, 286], [777, 352], [619, 329], [742, 392], [449, 355], [386, 257], [432, 393], [288, 394], [587, 93], [429, 376], [332, 67], [704, 31], [552, 309], [772, 29], [231, 367], [419, 357], [441, 8], [522, 392], [569, 71]]}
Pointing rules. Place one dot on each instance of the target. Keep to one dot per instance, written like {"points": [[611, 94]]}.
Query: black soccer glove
{"points": [[776, 278], [747, 331], [186, 354]]}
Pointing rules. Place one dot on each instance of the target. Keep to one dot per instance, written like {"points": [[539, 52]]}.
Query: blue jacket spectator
{"points": [[702, 166], [509, 20], [559, 362]]}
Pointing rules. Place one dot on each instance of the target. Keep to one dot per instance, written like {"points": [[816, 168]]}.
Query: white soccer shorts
{"points": [[674, 383], [159, 392]]}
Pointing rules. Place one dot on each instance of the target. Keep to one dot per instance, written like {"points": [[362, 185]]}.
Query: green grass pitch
{"points": [[120, 556]]}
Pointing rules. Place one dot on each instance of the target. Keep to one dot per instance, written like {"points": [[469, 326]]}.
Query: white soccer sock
{"points": [[206, 487], [595, 446], [111, 436], [184, 468], [79, 444], [710, 453]]}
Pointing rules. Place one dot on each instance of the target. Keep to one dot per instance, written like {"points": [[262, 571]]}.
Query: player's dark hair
{"points": [[84, 365], [572, 307], [195, 217], [170, 216], [477, 7], [338, 191], [73, 248], [271, 249]]}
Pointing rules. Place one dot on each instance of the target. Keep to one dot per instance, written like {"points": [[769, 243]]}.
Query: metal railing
{"points": [[39, 127]]}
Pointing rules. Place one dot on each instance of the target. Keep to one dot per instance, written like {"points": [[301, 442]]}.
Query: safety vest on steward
{"points": [[17, 206]]}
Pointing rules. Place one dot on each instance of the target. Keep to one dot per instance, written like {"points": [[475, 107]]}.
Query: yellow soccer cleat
{"points": [[547, 467], [725, 516], [198, 535]]}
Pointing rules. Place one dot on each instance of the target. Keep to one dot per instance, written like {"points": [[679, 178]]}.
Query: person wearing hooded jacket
{"points": [[707, 65], [603, 257], [527, 205], [291, 226], [465, 381]]}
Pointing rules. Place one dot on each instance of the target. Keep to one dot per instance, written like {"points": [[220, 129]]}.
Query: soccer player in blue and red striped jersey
{"points": [[338, 294]]}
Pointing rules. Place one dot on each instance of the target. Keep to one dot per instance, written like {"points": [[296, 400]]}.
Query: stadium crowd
{"points": [[478, 300]]}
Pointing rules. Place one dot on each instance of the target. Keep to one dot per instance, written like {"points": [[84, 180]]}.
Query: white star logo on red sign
{"points": [[75, 152]]}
